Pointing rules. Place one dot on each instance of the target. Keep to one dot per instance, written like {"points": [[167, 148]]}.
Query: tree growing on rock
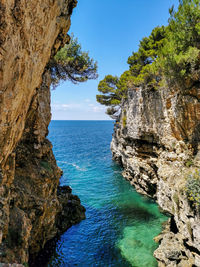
{"points": [[141, 71], [179, 58], [113, 90], [170, 55], [142, 64], [72, 64]]}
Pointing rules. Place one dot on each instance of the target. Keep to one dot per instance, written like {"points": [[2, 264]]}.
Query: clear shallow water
{"points": [[120, 224]]}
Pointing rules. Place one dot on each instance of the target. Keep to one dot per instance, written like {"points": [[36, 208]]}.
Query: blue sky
{"points": [[110, 30]]}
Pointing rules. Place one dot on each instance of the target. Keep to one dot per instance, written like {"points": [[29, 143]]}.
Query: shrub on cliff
{"points": [[193, 189], [73, 64]]}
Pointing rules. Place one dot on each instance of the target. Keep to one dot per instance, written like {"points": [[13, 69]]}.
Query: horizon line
{"points": [[80, 120]]}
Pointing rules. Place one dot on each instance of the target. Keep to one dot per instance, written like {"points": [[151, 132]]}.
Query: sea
{"points": [[120, 224]]}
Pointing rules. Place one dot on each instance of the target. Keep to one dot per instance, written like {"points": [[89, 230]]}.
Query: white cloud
{"points": [[65, 106], [82, 110], [96, 109], [87, 100]]}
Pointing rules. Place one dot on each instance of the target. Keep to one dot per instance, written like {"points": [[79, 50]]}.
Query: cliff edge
{"points": [[34, 209], [156, 140]]}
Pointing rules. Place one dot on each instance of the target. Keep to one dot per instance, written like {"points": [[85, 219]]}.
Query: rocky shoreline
{"points": [[34, 209], [156, 140]]}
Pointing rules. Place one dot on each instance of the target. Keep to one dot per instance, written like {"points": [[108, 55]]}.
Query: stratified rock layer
{"points": [[32, 211], [156, 139]]}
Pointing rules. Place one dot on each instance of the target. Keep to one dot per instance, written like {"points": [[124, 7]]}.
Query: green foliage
{"points": [[193, 188], [142, 70], [113, 90], [170, 54], [71, 63], [189, 163], [46, 165], [111, 95], [124, 118], [179, 57], [112, 111], [142, 63]]}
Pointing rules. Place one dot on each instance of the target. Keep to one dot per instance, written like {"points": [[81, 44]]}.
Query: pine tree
{"points": [[73, 64]]}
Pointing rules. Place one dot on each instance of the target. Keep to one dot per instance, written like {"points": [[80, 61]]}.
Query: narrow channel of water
{"points": [[120, 223]]}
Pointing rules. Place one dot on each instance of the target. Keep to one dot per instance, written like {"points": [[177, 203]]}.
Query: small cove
{"points": [[120, 224]]}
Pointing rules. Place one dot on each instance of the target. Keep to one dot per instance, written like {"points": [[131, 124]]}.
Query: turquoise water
{"points": [[120, 223]]}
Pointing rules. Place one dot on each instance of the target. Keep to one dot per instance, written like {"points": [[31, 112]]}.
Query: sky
{"points": [[110, 30]]}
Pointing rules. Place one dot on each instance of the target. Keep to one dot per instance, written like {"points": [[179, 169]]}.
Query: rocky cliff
{"points": [[34, 208], [156, 139]]}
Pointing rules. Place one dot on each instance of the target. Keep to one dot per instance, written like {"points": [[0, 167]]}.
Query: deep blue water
{"points": [[120, 224]]}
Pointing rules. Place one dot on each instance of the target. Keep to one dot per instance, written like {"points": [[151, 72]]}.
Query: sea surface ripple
{"points": [[120, 224]]}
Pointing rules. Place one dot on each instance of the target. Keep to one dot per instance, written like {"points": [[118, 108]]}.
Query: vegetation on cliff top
{"points": [[73, 64], [171, 54]]}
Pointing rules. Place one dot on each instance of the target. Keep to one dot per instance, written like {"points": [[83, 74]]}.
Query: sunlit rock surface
{"points": [[156, 139], [32, 209]]}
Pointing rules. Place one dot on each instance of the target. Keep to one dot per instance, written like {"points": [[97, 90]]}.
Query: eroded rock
{"points": [[160, 139], [33, 210]]}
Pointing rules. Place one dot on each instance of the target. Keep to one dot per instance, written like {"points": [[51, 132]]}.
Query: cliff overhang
{"points": [[33, 208]]}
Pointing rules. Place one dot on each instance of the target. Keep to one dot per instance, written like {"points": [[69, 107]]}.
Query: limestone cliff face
{"points": [[33, 208], [156, 136]]}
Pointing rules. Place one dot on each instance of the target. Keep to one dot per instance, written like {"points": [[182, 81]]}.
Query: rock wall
{"points": [[156, 139], [34, 208]]}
